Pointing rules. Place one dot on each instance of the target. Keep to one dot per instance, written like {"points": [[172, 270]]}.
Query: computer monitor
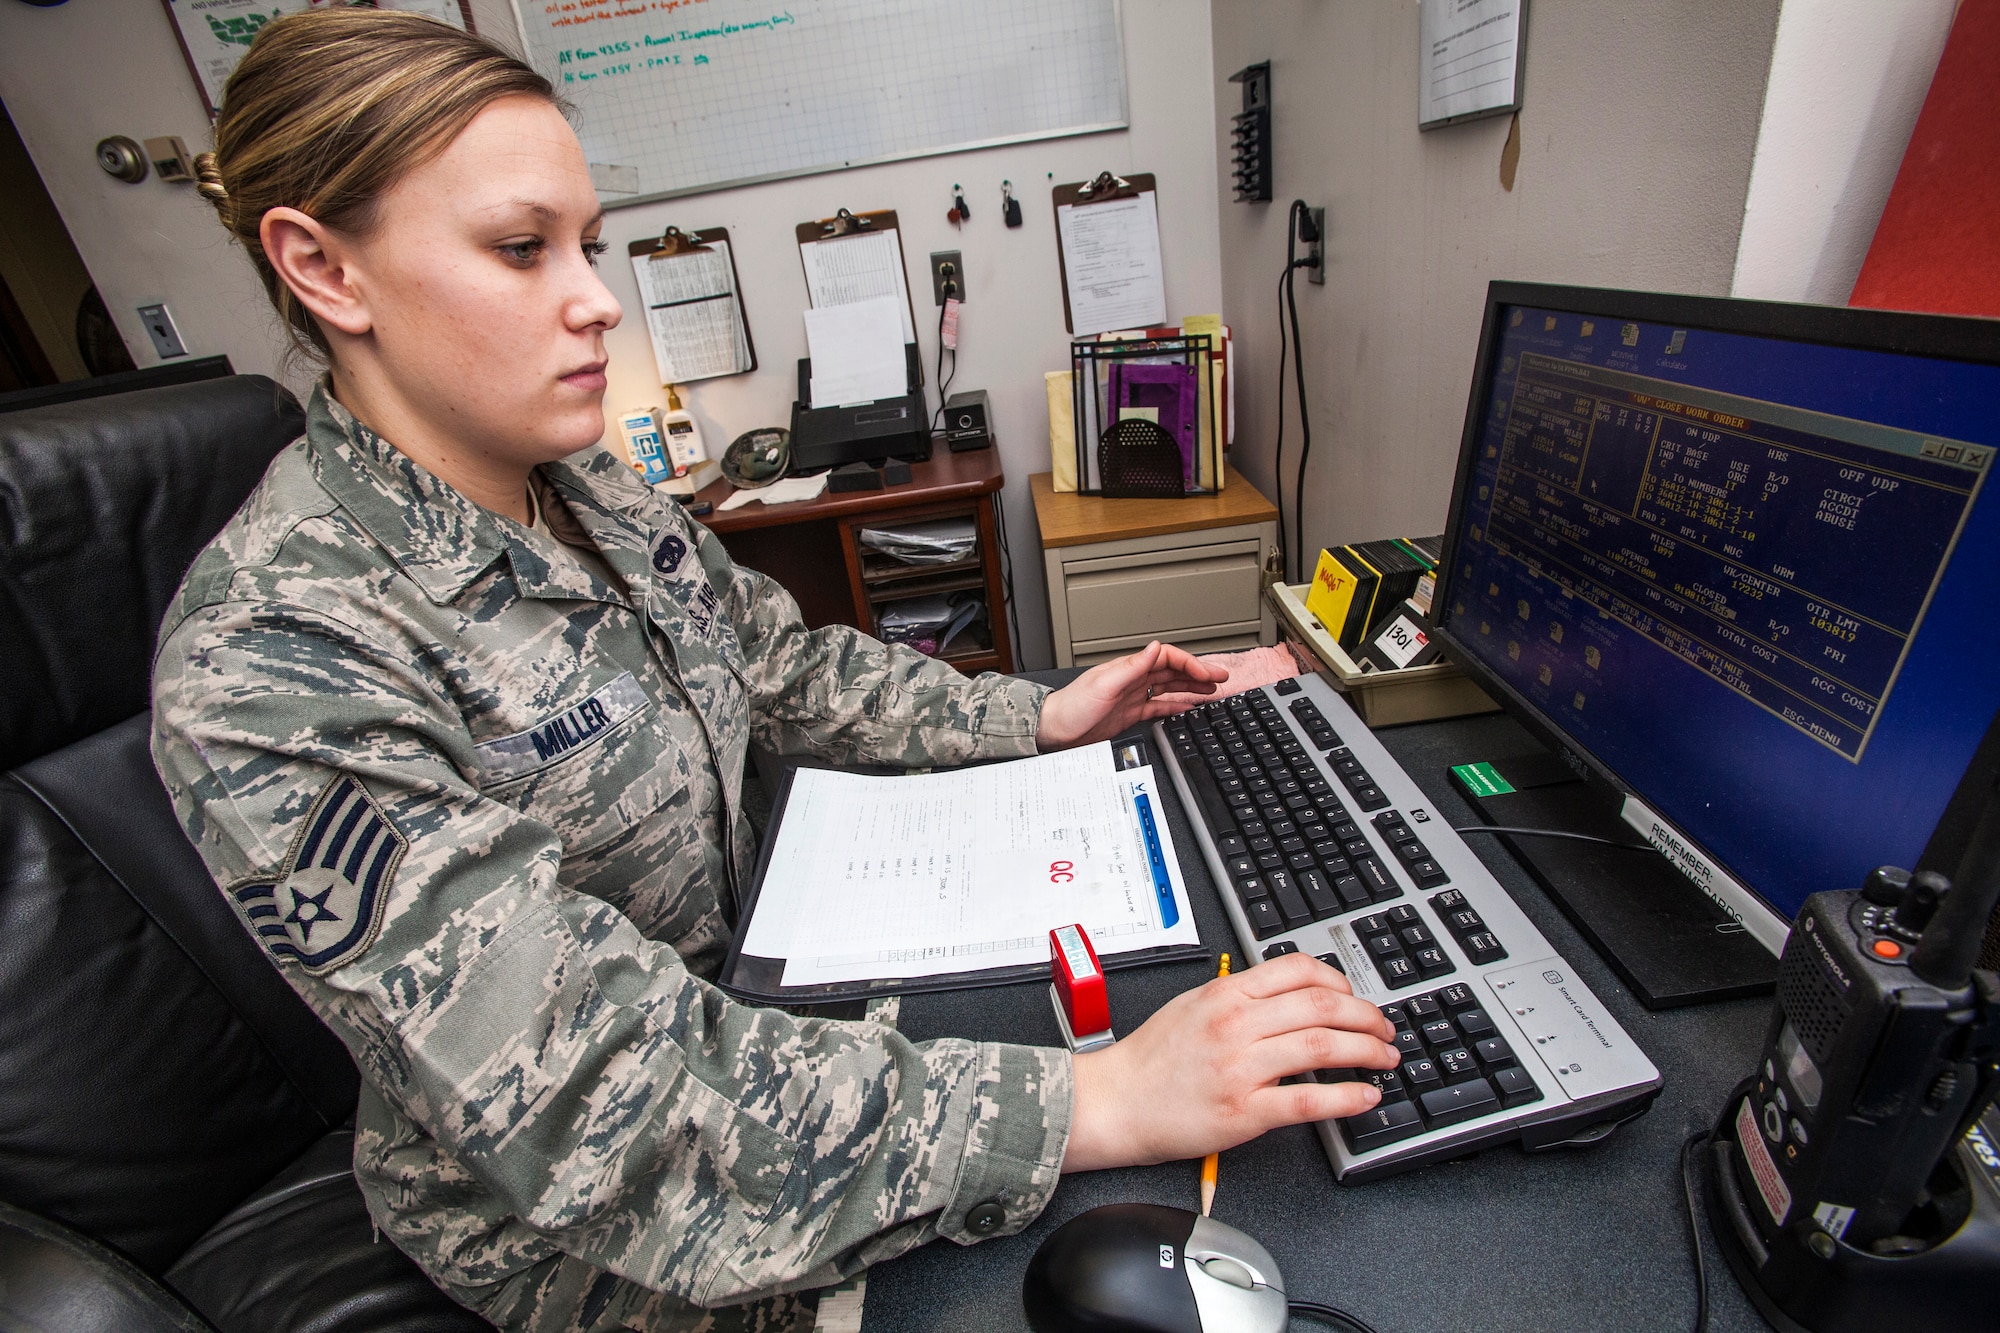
{"points": [[1740, 563]]}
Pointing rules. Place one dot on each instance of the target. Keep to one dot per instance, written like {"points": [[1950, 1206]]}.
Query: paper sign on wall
{"points": [[1469, 59]]}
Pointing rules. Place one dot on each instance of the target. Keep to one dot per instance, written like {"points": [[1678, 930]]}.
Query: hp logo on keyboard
{"points": [[1166, 1256]]}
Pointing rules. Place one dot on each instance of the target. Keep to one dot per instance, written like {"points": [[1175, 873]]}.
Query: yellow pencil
{"points": [[1210, 1162]]}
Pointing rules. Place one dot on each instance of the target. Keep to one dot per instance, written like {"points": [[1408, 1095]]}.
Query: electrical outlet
{"points": [[947, 269], [159, 322], [1316, 274]]}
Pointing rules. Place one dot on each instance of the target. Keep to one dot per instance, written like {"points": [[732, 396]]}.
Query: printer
{"points": [[860, 432]]}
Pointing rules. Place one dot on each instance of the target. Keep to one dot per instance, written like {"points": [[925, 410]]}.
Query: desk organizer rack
{"points": [[1169, 381]]}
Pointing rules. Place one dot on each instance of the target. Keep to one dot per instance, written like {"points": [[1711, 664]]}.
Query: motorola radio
{"points": [[1847, 1185]]}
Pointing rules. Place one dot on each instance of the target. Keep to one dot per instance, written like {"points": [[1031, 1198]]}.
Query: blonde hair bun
{"points": [[208, 179]]}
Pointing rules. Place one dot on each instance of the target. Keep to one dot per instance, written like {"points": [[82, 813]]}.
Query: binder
{"points": [[693, 305], [761, 980], [1106, 188], [845, 228]]}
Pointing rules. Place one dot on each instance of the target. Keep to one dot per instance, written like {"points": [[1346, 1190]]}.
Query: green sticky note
{"points": [[1482, 779]]}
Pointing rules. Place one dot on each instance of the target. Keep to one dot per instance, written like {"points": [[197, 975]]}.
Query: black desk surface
{"points": [[1589, 1239]]}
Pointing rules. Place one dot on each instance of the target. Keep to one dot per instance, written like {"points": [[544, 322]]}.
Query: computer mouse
{"points": [[1143, 1268]]}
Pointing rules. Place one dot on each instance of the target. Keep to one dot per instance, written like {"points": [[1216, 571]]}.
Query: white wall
{"points": [[1011, 328], [1637, 135], [1848, 78], [75, 73]]}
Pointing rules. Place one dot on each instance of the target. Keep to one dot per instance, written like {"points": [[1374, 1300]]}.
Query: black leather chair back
{"points": [[103, 504], [154, 1067]]}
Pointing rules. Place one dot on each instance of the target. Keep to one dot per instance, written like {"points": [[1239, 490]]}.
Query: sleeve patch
{"points": [[325, 907]]}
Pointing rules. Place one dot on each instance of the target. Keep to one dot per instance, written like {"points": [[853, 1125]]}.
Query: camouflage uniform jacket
{"points": [[481, 805]]}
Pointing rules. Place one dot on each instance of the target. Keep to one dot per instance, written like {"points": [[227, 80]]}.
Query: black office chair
{"points": [[175, 1149]]}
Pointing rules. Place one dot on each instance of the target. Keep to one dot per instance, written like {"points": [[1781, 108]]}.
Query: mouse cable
{"points": [[1338, 1318], [1694, 1229], [1557, 833]]}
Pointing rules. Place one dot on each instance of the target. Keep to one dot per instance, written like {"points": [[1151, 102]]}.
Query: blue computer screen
{"points": [[1758, 579]]}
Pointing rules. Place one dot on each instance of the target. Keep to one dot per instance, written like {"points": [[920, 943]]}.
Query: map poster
{"points": [[214, 34]]}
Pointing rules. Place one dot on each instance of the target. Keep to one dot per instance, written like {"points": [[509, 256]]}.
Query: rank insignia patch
{"points": [[326, 905]]}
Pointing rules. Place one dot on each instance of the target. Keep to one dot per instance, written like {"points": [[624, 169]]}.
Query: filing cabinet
{"points": [[1185, 571]]}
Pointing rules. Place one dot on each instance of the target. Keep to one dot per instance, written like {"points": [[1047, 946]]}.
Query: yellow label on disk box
{"points": [[1331, 596]]}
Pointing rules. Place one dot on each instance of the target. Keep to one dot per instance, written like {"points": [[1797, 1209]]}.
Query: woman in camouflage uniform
{"points": [[456, 710]]}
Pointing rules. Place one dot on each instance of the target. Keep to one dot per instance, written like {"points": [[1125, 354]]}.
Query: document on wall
{"points": [[847, 269], [873, 878], [694, 313], [215, 34], [1111, 263], [1470, 59]]}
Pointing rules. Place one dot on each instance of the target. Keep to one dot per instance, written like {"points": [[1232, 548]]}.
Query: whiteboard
{"points": [[675, 97]]}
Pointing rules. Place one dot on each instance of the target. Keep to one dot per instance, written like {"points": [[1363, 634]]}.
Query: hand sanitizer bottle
{"points": [[683, 436]]}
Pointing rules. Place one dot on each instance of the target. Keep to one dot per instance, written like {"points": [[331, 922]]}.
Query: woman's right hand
{"points": [[1202, 1074]]}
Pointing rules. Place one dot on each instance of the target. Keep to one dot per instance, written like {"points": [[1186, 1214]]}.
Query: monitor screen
{"points": [[1755, 579]]}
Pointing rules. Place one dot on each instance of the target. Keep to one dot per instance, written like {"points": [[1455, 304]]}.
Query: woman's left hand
{"points": [[1112, 698]]}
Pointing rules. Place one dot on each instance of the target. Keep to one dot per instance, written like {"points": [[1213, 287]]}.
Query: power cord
{"points": [[1299, 226], [944, 381], [1694, 1229], [1278, 461], [1007, 573], [1338, 1318], [1557, 833]]}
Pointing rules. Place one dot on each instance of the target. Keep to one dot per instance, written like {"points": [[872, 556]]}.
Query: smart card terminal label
{"points": [[1563, 1024], [1355, 962]]}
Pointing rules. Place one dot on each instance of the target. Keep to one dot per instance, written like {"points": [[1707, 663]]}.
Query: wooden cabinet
{"points": [[813, 548], [1124, 572]]}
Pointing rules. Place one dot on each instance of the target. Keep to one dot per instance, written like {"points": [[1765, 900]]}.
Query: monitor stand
{"points": [[1665, 937]]}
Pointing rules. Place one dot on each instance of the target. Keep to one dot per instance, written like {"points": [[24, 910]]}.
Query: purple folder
{"points": [[1169, 388]]}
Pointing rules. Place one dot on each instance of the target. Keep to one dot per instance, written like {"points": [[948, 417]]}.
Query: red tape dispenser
{"points": [[1076, 985]]}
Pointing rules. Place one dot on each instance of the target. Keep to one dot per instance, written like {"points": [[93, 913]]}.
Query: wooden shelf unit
{"points": [[814, 549]]}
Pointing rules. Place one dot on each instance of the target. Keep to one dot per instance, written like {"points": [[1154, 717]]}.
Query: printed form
{"points": [[885, 877], [1111, 261], [693, 314]]}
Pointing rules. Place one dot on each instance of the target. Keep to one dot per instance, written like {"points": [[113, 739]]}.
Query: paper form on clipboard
{"points": [[843, 270], [962, 871], [694, 310], [1111, 263]]}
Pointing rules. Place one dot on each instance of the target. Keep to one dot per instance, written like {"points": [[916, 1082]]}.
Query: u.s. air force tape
{"points": [[551, 738]]}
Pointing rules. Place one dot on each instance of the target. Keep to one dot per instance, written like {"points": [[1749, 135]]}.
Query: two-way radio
{"points": [[1847, 1184]]}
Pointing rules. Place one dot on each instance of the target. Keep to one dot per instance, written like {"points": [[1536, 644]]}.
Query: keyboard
{"points": [[1320, 843]]}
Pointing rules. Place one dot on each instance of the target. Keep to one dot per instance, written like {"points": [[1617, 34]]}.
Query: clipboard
{"points": [[1105, 188], [843, 226], [761, 980], [697, 333]]}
